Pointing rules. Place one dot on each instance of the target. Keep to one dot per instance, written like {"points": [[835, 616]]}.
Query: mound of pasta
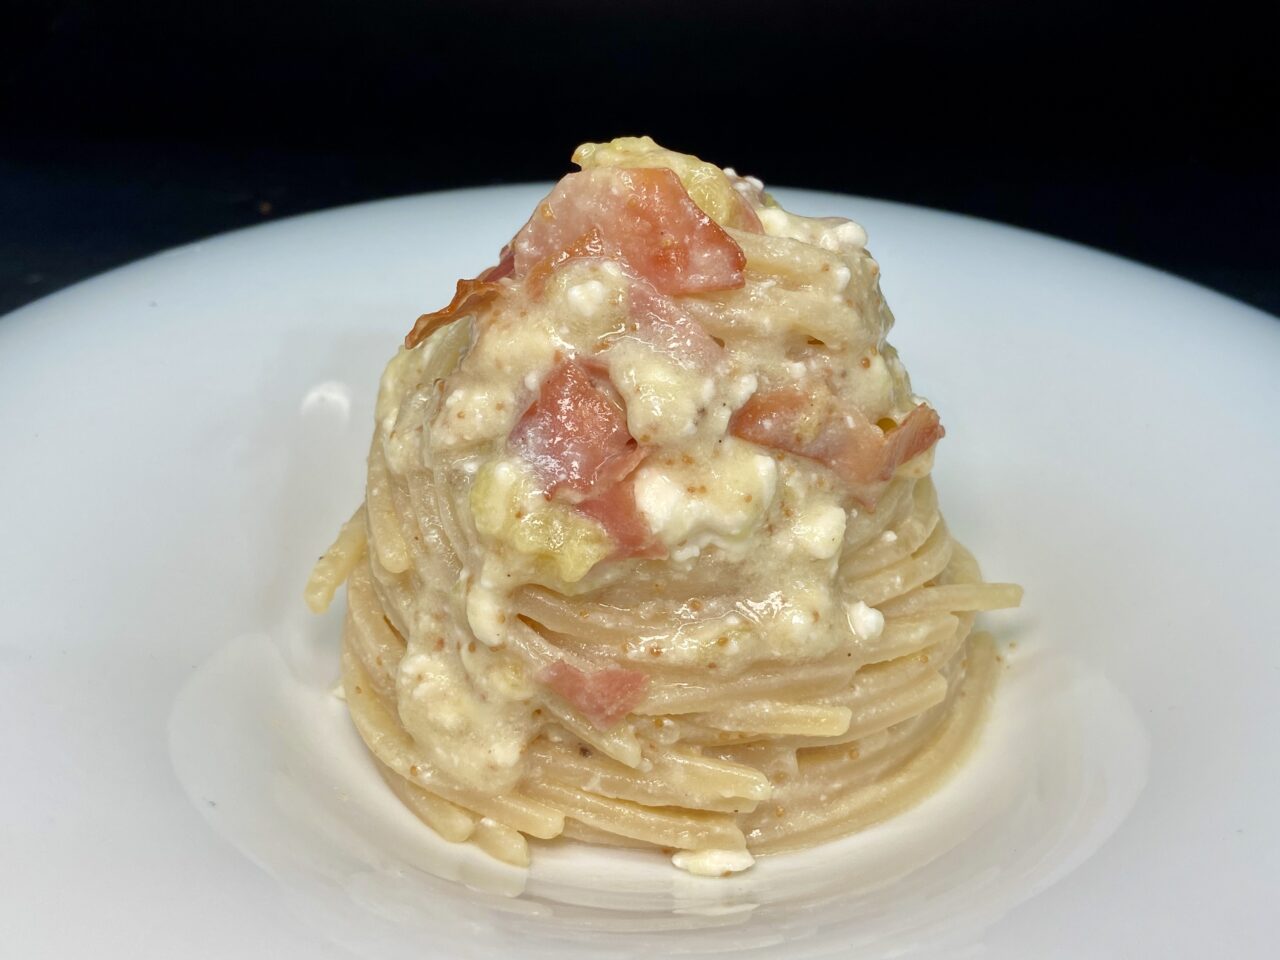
{"points": [[650, 555]]}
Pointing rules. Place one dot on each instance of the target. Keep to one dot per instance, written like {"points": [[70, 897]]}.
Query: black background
{"points": [[1144, 130]]}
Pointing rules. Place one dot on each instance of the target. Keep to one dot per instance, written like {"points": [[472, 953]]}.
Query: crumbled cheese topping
{"points": [[713, 863], [586, 297], [718, 502], [820, 530], [866, 622]]}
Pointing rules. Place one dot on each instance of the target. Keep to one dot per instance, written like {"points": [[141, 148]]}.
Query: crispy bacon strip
{"points": [[603, 696], [589, 246], [470, 295], [505, 266]]}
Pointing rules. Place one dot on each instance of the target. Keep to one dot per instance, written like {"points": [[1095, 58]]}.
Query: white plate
{"points": [[182, 436]]}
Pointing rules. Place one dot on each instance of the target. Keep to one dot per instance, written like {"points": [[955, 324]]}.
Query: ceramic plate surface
{"points": [[182, 437]]}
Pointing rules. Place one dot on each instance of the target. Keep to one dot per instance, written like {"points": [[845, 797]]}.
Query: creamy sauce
{"points": [[760, 530]]}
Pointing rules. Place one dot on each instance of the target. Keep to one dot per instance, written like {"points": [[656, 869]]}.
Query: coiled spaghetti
{"points": [[653, 558]]}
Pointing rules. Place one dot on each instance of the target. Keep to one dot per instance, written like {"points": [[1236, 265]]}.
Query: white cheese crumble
{"points": [[438, 698], [708, 390], [740, 389], [506, 753], [851, 234], [586, 297], [820, 530], [485, 609], [747, 183], [866, 622], [713, 863], [844, 233], [472, 413], [720, 503], [829, 233]]}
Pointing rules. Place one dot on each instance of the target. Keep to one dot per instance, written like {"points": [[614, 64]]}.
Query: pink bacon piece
{"points": [[603, 696], [863, 455], [616, 511], [575, 436], [641, 218], [575, 433], [660, 322]]}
